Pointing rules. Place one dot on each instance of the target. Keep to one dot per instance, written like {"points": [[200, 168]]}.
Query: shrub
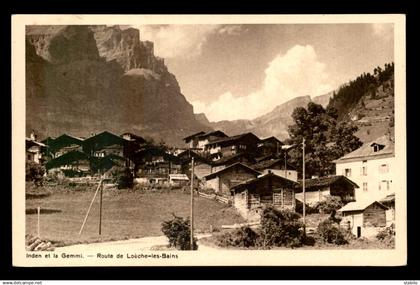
{"points": [[308, 209], [34, 172], [331, 233], [329, 205], [242, 237], [122, 176], [178, 232], [280, 228], [387, 235]]}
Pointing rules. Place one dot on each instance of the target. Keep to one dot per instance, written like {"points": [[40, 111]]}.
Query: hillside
{"points": [[274, 123], [85, 79], [368, 102]]}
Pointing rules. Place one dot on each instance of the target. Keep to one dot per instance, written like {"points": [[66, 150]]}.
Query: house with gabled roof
{"points": [[371, 167], [318, 189], [64, 144], [270, 145], [251, 196], [277, 166], [103, 144], [226, 161], [34, 150], [364, 218], [191, 141], [228, 146], [221, 181]]}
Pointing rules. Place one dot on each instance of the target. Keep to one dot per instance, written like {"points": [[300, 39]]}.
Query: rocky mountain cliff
{"points": [[86, 79]]}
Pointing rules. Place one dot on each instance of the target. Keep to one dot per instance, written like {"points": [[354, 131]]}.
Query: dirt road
{"points": [[146, 243]]}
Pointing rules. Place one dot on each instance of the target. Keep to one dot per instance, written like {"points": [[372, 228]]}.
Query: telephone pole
{"points": [[192, 205], [303, 186]]}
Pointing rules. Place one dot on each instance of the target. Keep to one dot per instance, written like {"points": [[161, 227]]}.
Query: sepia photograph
{"points": [[146, 140]]}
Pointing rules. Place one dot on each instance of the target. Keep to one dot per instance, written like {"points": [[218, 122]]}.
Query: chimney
{"points": [[33, 136]]}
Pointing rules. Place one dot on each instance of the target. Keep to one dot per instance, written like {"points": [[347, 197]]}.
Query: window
{"points": [[347, 172], [365, 186], [383, 168], [363, 169]]}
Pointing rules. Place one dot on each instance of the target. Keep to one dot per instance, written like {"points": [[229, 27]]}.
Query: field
{"points": [[126, 214]]}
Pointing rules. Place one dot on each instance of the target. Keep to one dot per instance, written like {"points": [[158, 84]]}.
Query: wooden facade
{"points": [[222, 181], [266, 190], [364, 219]]}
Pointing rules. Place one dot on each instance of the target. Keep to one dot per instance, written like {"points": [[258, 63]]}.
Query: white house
{"points": [[371, 167]]}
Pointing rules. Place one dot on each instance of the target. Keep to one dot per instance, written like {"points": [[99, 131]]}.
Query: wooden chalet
{"points": [[103, 144], [278, 167], [64, 144], [202, 165], [192, 140], [155, 162], [72, 163], [226, 161], [317, 189], [228, 146], [270, 145], [251, 196], [223, 180], [364, 218]]}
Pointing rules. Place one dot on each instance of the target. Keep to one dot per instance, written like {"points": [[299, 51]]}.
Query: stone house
{"points": [[250, 197], [223, 180], [364, 218], [371, 167]]}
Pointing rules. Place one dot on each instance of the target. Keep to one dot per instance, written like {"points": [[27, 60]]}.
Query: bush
{"points": [[280, 228], [308, 209], [178, 232], [122, 176], [242, 237], [329, 205], [35, 172], [331, 233], [387, 235]]}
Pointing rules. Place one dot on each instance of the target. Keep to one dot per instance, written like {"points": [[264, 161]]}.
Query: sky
{"points": [[235, 71]]}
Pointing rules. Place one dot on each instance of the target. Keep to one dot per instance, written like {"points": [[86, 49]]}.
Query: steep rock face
{"points": [[77, 82]]}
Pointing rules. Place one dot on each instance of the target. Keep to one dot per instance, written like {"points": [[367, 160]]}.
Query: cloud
{"points": [[295, 73], [385, 31], [183, 41]]}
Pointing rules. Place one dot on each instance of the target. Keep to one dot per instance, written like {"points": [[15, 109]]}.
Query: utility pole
{"points": [[192, 205], [303, 187], [285, 164], [100, 208]]}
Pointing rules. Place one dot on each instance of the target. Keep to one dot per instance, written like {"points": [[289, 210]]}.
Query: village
{"points": [[244, 173]]}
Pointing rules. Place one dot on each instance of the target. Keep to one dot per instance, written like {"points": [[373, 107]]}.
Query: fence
{"points": [[216, 197]]}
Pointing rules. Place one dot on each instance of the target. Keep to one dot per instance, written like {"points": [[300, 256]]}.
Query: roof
{"points": [[238, 164], [272, 138], [102, 140], [187, 154], [265, 164], [360, 206], [30, 141], [327, 181], [230, 158], [388, 199], [193, 135], [233, 139], [67, 159], [269, 175], [213, 133], [366, 151], [178, 176]]}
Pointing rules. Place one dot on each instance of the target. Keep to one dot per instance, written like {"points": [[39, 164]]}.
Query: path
{"points": [[130, 245]]}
